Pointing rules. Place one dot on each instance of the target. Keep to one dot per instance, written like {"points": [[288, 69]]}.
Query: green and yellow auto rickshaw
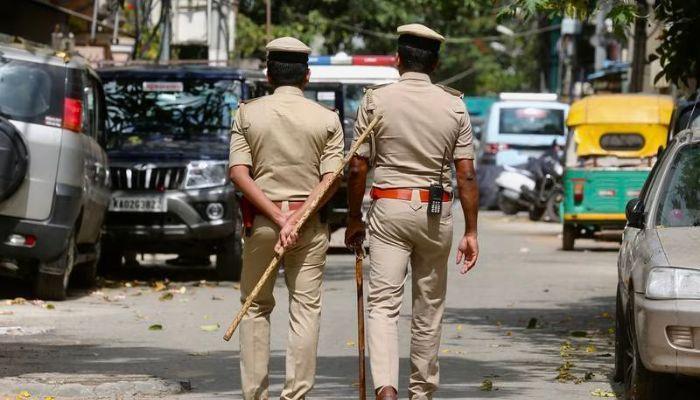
{"points": [[612, 144]]}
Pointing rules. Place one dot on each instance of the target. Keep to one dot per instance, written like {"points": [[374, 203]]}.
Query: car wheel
{"points": [[535, 213], [620, 350], [85, 274], [568, 237], [506, 205], [110, 258], [229, 259], [639, 382], [54, 286]]}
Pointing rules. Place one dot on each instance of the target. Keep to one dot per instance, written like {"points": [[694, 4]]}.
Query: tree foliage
{"points": [[679, 51], [369, 26]]}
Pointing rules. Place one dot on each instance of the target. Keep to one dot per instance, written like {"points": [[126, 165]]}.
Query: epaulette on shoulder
{"points": [[374, 87], [450, 90]]}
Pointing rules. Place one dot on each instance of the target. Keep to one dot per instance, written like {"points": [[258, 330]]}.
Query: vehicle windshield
{"points": [[31, 92], [531, 120], [184, 109], [680, 196]]}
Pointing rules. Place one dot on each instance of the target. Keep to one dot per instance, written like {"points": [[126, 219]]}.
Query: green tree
{"points": [[368, 27], [679, 51]]}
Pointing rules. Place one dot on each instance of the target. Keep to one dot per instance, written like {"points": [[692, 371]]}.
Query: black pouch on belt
{"points": [[436, 191], [435, 199]]}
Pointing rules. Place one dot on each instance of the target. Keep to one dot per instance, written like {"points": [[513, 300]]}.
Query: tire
{"points": [[535, 213], [54, 286], [14, 159], [84, 275], [229, 259], [506, 205], [110, 258], [619, 372], [568, 237], [639, 383]]}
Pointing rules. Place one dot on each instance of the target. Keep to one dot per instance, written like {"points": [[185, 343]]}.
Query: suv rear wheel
{"points": [[53, 286], [229, 259], [85, 274]]}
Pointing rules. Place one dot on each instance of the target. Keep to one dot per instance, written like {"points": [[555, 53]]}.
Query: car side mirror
{"points": [[635, 213]]}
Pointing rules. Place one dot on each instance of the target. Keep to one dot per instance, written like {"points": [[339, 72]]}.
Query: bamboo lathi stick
{"points": [[272, 267]]}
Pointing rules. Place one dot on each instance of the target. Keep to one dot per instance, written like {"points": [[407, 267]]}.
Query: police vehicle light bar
{"points": [[529, 96], [344, 59]]}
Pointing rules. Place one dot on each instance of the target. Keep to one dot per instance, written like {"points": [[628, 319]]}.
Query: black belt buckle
{"points": [[435, 196]]}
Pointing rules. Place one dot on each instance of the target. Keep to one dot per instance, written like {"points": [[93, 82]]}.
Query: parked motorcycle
{"points": [[535, 187]]}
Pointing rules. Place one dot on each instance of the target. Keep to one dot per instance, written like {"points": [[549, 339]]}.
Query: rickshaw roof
{"points": [[620, 109]]}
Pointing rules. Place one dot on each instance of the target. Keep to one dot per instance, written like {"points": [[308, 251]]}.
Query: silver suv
{"points": [[53, 170]]}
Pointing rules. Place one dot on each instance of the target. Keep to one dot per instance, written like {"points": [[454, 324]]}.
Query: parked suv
{"points": [[53, 171], [168, 134]]}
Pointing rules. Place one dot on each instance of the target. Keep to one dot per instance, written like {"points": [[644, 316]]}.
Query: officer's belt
{"points": [[404, 194], [249, 212]]}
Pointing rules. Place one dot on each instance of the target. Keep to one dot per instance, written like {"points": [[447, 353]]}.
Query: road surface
{"points": [[530, 322]]}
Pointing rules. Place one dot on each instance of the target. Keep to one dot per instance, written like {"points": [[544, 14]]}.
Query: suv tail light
{"points": [[578, 191], [72, 114], [493, 148]]}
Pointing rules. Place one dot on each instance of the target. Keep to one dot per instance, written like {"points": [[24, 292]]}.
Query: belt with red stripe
{"points": [[404, 194]]}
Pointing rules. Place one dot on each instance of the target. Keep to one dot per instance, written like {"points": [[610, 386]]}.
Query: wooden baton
{"points": [[272, 267], [359, 255]]}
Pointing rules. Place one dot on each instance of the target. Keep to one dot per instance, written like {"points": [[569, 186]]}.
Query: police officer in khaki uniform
{"points": [[424, 127], [283, 147]]}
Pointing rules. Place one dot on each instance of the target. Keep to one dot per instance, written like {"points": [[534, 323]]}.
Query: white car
{"points": [[658, 296]]}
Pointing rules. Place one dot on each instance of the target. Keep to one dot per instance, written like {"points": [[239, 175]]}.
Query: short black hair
{"points": [[418, 54], [284, 73]]}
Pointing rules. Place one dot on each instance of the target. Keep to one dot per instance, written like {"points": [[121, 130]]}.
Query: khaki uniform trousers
{"points": [[401, 231], [303, 272]]}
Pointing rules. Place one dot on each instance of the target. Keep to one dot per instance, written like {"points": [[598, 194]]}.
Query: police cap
{"points": [[288, 49]]}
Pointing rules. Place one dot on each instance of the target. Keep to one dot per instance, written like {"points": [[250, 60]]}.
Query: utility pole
{"points": [[93, 27], [165, 40], [639, 50], [268, 19]]}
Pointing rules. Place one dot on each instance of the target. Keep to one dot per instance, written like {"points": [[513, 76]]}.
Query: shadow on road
{"points": [[218, 372]]}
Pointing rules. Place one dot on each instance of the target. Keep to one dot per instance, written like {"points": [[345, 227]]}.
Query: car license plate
{"points": [[138, 204]]}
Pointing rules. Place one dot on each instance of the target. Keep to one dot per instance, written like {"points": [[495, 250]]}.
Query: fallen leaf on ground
{"points": [[166, 296], [350, 343], [16, 301], [49, 398], [216, 298], [591, 348], [210, 328], [182, 290], [49, 306], [24, 395], [459, 328], [159, 286], [579, 333], [155, 327], [588, 376], [509, 333], [486, 385], [603, 393]]}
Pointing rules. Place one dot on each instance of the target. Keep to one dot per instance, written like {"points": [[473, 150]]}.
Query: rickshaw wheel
{"points": [[568, 237]]}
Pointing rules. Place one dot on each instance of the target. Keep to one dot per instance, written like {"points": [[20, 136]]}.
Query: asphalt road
{"points": [[530, 322]]}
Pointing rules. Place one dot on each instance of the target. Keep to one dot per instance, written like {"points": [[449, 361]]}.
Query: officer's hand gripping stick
{"points": [[272, 267]]}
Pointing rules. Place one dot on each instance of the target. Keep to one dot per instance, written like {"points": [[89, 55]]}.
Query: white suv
{"points": [[53, 170]]}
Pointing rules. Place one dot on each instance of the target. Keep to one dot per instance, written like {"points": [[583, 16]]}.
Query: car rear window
{"points": [[31, 92], [680, 195], [531, 121]]}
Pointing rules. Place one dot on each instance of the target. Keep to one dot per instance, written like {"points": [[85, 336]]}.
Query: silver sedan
{"points": [[658, 298]]}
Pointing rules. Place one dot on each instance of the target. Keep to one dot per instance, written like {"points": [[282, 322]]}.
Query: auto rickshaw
{"points": [[612, 143]]}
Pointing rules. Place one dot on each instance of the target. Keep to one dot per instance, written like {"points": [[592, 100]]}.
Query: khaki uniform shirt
{"points": [[288, 141], [420, 122]]}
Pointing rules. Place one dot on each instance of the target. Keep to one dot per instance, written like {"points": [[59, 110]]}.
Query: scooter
{"points": [[535, 187]]}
